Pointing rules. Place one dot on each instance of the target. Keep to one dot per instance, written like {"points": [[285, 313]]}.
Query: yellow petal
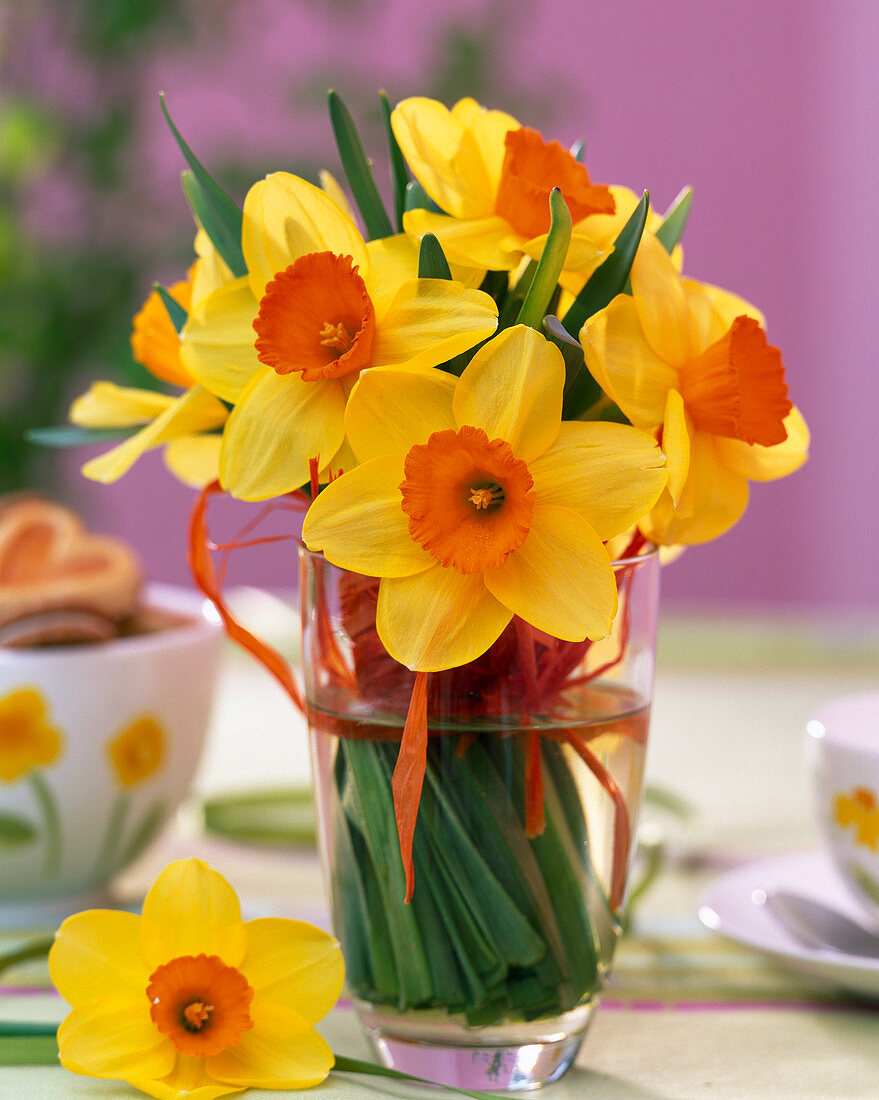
{"points": [[726, 305], [333, 188], [430, 321], [438, 619], [97, 951], [611, 474], [188, 1080], [661, 304], [489, 128], [573, 602], [713, 499], [624, 365], [390, 411], [114, 1036], [106, 405], [195, 459], [210, 270], [280, 1051], [583, 255], [768, 463], [512, 389], [278, 425], [392, 262], [487, 242], [294, 964], [359, 523], [285, 218], [191, 910], [676, 432], [445, 157], [217, 343], [192, 412]]}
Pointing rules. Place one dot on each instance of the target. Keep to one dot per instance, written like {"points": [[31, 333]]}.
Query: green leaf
{"points": [[578, 149], [418, 199], [368, 801], [70, 435], [581, 389], [358, 170], [399, 173], [174, 309], [15, 830], [211, 222], [356, 1065], [282, 817], [610, 278], [675, 220], [215, 211], [29, 1050], [432, 262], [34, 949], [549, 267]]}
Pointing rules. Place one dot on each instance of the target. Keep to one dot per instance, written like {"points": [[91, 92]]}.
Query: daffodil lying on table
{"points": [[188, 999]]}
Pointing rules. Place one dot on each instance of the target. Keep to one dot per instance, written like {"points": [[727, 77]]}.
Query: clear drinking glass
{"points": [[488, 977]]}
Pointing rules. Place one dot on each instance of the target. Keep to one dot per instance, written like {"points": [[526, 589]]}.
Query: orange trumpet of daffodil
{"points": [[190, 1001], [491, 178], [691, 362], [286, 343], [475, 502]]}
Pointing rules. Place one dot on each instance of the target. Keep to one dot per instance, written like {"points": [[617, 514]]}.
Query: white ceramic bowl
{"points": [[98, 746], [843, 749]]}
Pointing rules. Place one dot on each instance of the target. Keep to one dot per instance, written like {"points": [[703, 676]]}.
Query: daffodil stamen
{"points": [[486, 496], [335, 336], [196, 1015]]}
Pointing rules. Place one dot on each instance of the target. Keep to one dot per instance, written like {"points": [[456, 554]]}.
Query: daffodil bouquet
{"points": [[491, 406]]}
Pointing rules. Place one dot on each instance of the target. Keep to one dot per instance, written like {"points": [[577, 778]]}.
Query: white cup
{"points": [[99, 744], [843, 751]]}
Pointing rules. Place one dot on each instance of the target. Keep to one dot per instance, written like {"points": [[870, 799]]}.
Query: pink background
{"points": [[768, 109]]}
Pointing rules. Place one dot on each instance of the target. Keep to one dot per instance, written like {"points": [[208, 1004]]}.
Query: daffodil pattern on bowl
{"points": [[843, 751], [98, 746]]}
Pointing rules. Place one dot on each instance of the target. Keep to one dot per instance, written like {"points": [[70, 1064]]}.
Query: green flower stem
{"points": [[49, 806], [517, 927], [105, 862], [552, 260]]}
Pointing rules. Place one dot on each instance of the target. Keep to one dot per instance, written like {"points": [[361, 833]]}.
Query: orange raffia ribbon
{"points": [[204, 573], [409, 775], [622, 829]]}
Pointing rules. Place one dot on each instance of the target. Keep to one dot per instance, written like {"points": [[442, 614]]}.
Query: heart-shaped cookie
{"points": [[49, 562]]}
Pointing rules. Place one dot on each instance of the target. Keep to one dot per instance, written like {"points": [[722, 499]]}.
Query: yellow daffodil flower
{"points": [[27, 740], [475, 503], [324, 306], [491, 178], [185, 425], [691, 361], [190, 1001]]}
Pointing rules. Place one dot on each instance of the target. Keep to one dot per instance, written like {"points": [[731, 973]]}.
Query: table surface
{"points": [[687, 1013]]}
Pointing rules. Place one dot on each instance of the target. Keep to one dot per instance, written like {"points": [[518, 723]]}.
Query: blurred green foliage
{"points": [[67, 291]]}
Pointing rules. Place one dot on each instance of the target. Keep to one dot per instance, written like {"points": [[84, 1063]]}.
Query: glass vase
{"points": [[488, 976]]}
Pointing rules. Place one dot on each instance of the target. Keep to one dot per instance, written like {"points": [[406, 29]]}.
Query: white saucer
{"points": [[734, 906]]}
